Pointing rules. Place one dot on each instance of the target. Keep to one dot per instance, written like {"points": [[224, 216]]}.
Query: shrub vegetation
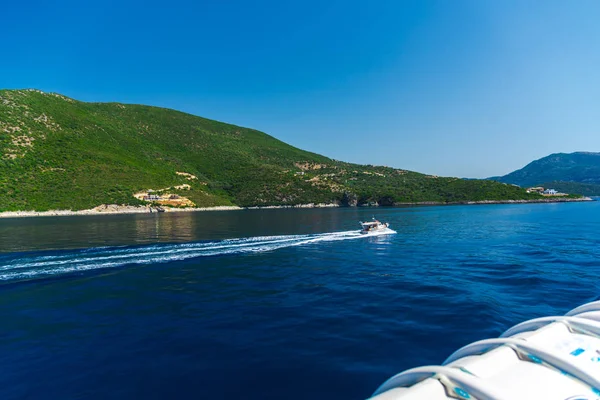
{"points": [[59, 153]]}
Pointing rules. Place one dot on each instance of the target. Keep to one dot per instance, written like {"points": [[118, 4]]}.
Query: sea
{"points": [[278, 303]]}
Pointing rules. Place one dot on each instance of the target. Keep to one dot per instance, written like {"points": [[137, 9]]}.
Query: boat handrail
{"points": [[575, 324], [588, 307]]}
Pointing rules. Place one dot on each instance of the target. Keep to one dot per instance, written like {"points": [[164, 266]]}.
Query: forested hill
{"points": [[570, 172], [59, 153]]}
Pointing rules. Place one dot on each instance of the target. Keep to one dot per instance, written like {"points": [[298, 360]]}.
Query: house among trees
{"points": [[537, 189], [545, 192], [152, 197]]}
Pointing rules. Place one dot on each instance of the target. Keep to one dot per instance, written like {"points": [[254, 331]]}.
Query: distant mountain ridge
{"points": [[577, 172], [57, 153]]}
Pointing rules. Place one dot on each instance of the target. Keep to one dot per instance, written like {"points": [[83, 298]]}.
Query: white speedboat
{"points": [[554, 358], [373, 226]]}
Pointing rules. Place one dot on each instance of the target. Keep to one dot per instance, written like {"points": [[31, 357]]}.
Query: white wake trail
{"points": [[110, 257]]}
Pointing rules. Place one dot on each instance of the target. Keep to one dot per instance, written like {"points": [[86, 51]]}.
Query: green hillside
{"points": [[577, 172], [59, 153]]}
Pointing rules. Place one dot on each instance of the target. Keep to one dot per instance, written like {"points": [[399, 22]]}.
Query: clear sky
{"points": [[454, 88]]}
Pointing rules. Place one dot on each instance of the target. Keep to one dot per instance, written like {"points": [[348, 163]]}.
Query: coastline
{"points": [[546, 200], [114, 209]]}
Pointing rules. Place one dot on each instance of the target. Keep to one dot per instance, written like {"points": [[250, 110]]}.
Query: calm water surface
{"points": [[277, 303]]}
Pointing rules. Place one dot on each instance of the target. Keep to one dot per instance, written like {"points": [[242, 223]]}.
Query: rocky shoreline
{"points": [[113, 209], [547, 200]]}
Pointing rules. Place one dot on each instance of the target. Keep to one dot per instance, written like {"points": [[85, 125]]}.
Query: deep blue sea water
{"points": [[275, 304]]}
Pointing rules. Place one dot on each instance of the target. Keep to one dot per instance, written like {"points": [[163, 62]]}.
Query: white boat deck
{"points": [[546, 358]]}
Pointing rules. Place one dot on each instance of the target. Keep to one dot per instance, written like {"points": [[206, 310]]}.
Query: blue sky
{"points": [[454, 88]]}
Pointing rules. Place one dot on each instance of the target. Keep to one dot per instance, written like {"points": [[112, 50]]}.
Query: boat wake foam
{"points": [[33, 266]]}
